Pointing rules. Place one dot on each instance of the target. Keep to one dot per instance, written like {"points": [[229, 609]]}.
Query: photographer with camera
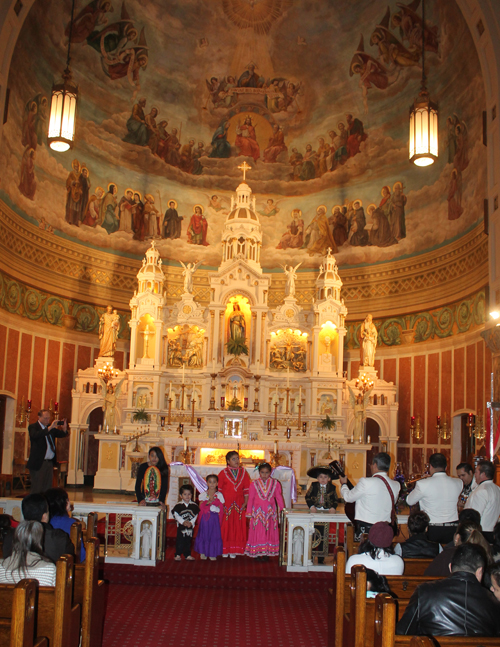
{"points": [[43, 450]]}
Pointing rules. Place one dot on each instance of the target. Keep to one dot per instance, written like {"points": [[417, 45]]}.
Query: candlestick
{"points": [[183, 367], [287, 376], [223, 402], [56, 407], [170, 392], [185, 443]]}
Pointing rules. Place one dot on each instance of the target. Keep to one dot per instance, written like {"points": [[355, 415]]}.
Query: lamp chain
{"points": [[70, 32]]}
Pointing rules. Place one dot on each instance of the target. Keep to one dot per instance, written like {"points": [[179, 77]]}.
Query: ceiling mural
{"points": [[314, 96]]}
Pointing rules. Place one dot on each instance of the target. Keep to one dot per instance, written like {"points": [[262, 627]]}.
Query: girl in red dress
{"points": [[234, 484]]}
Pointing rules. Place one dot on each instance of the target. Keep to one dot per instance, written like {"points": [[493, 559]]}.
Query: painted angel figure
{"points": [[291, 275], [359, 404], [187, 273], [109, 404]]}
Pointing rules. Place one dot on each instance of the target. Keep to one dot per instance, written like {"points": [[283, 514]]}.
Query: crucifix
{"points": [[244, 167]]}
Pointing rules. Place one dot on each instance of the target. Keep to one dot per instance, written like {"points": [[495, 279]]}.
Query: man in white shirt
{"points": [[372, 496], [466, 474], [486, 498], [438, 496]]}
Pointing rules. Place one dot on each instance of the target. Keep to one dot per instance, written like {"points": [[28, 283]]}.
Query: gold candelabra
{"points": [[476, 427], [212, 387], [364, 383], [136, 437], [442, 428], [107, 372], [23, 412], [416, 428]]}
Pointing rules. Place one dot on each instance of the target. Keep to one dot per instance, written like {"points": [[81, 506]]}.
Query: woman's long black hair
{"points": [[162, 463]]}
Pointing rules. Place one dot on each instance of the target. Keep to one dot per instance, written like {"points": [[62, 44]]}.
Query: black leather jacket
{"points": [[418, 546], [458, 606]]}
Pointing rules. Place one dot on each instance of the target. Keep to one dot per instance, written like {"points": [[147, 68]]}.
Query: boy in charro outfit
{"points": [[185, 513], [321, 497]]}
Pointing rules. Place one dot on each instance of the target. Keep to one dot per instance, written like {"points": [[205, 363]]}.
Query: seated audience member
{"points": [[27, 560], [467, 533], [486, 498], [417, 545], [494, 577], [455, 606], [55, 542], [495, 546], [376, 552], [376, 583], [59, 509]]}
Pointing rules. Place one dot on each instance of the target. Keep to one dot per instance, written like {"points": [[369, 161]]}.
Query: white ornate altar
{"points": [[234, 372]]}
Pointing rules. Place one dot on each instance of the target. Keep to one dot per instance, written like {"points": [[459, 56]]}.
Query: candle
{"points": [[185, 444], [222, 402], [56, 407], [115, 429], [369, 440], [170, 392], [213, 365], [100, 427], [29, 405], [275, 446], [470, 418], [300, 393], [276, 389], [245, 403], [287, 377], [438, 420], [183, 367], [352, 438], [413, 421]]}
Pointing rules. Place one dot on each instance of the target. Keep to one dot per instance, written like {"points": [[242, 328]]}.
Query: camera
{"points": [[60, 422]]}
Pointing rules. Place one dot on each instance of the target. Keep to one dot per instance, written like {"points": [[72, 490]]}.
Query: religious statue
{"points": [[109, 325], [109, 404], [237, 332], [187, 273], [368, 341], [298, 547], [291, 275], [174, 353], [146, 541], [194, 352], [359, 403], [147, 332]]}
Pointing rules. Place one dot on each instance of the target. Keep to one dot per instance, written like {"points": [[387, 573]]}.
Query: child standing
{"points": [[209, 540], [185, 513], [234, 483], [264, 503]]}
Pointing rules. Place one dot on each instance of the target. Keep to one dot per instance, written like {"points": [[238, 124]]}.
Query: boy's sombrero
{"points": [[315, 471]]}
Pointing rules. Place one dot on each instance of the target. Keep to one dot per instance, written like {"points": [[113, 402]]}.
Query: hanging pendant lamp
{"points": [[62, 119], [423, 119]]}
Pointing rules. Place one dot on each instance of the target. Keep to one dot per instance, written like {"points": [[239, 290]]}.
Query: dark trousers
{"points": [[41, 480], [183, 543], [442, 534], [362, 527]]}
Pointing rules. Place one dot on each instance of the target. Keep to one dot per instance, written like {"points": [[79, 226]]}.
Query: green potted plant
{"points": [[327, 423], [234, 405], [140, 416]]}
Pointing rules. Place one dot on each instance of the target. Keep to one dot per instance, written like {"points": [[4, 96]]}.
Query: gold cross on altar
{"points": [[244, 167]]}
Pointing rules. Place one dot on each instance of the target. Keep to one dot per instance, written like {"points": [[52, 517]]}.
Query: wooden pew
{"points": [[20, 632], [415, 566], [88, 592], [336, 601], [57, 618], [91, 526], [76, 539], [385, 628]]}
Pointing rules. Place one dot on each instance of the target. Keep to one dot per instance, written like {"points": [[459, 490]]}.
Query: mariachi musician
{"points": [[373, 495]]}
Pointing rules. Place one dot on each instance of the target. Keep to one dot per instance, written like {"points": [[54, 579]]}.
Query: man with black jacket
{"points": [[43, 450], [55, 542], [456, 606]]}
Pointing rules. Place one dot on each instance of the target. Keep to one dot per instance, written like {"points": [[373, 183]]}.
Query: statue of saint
{"points": [[109, 325], [187, 273], [368, 341], [109, 404], [291, 275], [237, 326], [359, 403]]}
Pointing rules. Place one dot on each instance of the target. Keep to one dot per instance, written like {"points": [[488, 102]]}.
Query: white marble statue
{"points": [[146, 541], [291, 275], [359, 404], [368, 341], [109, 404], [109, 325], [298, 546], [187, 273]]}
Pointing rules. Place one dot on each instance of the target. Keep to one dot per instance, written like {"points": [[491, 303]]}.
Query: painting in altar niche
{"points": [[288, 351], [318, 113], [327, 405], [185, 346]]}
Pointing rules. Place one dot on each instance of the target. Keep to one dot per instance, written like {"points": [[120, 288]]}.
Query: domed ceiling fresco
{"points": [[312, 95]]}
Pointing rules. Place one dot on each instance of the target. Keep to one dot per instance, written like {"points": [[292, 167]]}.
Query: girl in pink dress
{"points": [[265, 502]]}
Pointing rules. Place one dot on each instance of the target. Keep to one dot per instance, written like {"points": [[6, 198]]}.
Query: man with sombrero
{"points": [[321, 497]]}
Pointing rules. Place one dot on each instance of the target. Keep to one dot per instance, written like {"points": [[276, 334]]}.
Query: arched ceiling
{"points": [[293, 72]]}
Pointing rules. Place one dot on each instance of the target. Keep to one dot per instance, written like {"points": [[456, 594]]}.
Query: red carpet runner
{"points": [[228, 603]]}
